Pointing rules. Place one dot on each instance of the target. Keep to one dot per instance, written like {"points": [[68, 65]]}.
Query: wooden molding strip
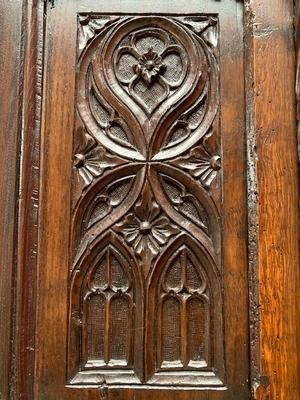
{"points": [[29, 203]]}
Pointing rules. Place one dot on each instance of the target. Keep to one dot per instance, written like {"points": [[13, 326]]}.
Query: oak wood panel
{"points": [[151, 67], [57, 142], [10, 106], [273, 120], [275, 345]]}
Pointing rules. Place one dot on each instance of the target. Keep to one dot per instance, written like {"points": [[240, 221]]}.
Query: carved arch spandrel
{"points": [[209, 290], [133, 172], [210, 238], [110, 286]]}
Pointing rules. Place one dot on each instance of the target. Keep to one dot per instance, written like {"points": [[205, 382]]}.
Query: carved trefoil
{"points": [[146, 275]]}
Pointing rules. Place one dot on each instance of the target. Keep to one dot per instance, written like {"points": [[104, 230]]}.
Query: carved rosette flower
{"points": [[149, 67], [88, 164], [202, 162], [90, 159], [203, 165], [146, 230]]}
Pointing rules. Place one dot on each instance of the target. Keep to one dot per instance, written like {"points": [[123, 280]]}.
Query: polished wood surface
{"points": [[29, 192], [273, 118], [139, 147], [139, 205], [10, 127]]}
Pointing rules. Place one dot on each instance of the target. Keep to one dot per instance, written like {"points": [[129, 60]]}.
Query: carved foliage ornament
{"points": [[147, 229], [146, 170], [150, 67]]}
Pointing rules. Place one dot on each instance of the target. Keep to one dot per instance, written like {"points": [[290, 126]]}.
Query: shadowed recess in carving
{"points": [[150, 64], [184, 202], [104, 203], [184, 313], [108, 304], [145, 282]]}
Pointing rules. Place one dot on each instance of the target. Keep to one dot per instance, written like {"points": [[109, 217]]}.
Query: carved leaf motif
{"points": [[184, 202], [202, 162], [146, 229], [107, 118], [88, 27], [111, 197], [90, 159], [205, 27], [187, 123]]}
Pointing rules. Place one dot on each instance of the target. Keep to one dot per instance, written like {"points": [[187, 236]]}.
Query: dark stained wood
{"points": [[28, 218], [10, 107], [117, 214], [297, 45], [172, 213]]}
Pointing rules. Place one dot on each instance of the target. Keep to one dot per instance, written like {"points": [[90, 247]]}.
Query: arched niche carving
{"points": [[185, 330], [105, 286]]}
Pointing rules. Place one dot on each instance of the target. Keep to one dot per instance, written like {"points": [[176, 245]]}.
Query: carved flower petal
{"points": [[128, 225], [94, 168], [208, 177], [137, 69], [125, 66], [200, 153], [157, 43], [163, 229], [160, 237], [140, 244], [174, 66], [131, 235], [163, 222], [147, 76], [153, 245], [197, 170], [86, 176], [166, 231], [154, 211], [149, 96]]}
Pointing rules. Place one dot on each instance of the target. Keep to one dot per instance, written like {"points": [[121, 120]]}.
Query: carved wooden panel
{"points": [[146, 274]]}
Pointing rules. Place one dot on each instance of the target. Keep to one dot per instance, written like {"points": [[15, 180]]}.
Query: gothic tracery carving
{"points": [[146, 151]]}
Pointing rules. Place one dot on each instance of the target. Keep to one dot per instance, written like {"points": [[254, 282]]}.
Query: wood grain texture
{"points": [[10, 106], [160, 205], [28, 216], [273, 119], [297, 45], [272, 200]]}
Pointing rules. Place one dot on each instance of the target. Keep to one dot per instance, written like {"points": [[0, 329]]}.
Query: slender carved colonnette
{"points": [[146, 204]]}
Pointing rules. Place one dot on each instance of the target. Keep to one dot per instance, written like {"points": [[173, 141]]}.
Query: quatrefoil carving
{"points": [[150, 67]]}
